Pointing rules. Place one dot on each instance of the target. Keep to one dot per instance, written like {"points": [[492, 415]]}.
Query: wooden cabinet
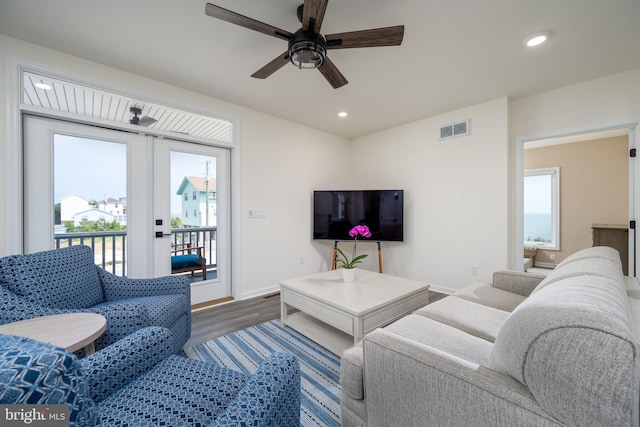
{"points": [[615, 236]]}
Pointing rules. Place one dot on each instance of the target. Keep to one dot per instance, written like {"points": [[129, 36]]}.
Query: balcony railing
{"points": [[109, 247]]}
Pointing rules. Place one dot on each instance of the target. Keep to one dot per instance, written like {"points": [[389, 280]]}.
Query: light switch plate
{"points": [[257, 213]]}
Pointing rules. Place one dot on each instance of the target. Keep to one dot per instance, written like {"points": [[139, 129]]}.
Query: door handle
{"points": [[160, 234]]}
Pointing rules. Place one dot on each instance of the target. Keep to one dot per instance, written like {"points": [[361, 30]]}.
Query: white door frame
{"points": [[516, 243]]}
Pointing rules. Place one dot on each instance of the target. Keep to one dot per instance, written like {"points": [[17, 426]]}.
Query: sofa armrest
{"points": [[117, 288], [114, 366], [271, 397], [516, 282], [410, 383]]}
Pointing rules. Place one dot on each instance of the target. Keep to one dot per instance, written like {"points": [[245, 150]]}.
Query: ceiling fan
{"points": [[307, 47], [140, 121]]}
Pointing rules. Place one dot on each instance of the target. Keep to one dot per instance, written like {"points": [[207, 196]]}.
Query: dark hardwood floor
{"points": [[222, 319]]}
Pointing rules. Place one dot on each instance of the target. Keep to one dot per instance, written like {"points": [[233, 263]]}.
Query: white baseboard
{"points": [[260, 292]]}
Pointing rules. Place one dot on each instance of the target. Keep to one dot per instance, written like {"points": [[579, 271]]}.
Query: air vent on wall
{"points": [[454, 129]]}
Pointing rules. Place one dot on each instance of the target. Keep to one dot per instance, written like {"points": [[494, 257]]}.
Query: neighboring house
{"points": [[92, 215], [75, 208], [197, 193], [116, 207], [71, 205]]}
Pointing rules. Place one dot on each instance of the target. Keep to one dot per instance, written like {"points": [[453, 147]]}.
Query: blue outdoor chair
{"points": [[67, 280], [138, 382]]}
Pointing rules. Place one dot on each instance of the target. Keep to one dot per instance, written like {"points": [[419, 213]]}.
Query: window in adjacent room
{"points": [[542, 208]]}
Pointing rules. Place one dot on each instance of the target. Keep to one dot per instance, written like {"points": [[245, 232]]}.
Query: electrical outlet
{"points": [[474, 270], [552, 257]]}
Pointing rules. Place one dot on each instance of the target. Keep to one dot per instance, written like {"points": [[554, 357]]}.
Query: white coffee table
{"points": [[71, 331], [337, 315]]}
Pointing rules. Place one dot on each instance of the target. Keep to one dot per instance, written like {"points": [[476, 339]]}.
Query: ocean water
{"points": [[537, 227]]}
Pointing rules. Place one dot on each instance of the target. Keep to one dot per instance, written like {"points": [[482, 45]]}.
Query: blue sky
{"points": [[96, 169], [537, 194]]}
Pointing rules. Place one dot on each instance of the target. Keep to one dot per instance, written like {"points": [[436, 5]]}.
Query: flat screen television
{"points": [[337, 212]]}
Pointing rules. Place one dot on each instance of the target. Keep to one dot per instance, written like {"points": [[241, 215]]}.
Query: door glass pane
{"points": [[193, 215], [90, 198]]}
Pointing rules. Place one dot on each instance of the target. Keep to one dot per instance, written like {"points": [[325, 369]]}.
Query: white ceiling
{"points": [[455, 53]]}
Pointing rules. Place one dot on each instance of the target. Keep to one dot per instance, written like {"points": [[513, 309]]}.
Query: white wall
{"points": [[280, 164], [592, 104], [456, 194]]}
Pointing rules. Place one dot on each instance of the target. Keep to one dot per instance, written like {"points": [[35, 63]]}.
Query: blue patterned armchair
{"points": [[67, 280], [137, 381]]}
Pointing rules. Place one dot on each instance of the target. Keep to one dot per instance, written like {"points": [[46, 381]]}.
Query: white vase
{"points": [[348, 275]]}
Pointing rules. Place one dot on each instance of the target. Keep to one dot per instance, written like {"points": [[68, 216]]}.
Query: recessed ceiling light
{"points": [[42, 86], [536, 39], [343, 114]]}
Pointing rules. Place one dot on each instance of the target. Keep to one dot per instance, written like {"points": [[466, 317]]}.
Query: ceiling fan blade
{"points": [[244, 21], [332, 74], [313, 14], [272, 66], [387, 36], [146, 121]]}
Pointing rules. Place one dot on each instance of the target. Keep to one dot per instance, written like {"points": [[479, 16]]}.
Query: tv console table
{"points": [[337, 315]]}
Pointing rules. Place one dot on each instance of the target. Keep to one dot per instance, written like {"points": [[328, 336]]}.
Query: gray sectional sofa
{"points": [[524, 350]]}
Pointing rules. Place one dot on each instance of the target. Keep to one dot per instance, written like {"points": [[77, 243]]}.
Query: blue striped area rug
{"points": [[319, 368]]}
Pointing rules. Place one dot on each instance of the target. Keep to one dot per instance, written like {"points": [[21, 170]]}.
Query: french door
{"points": [[113, 190], [191, 200]]}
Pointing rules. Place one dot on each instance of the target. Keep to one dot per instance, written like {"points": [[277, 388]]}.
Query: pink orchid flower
{"points": [[362, 230]]}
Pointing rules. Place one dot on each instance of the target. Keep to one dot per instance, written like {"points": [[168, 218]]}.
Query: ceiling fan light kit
{"points": [[307, 48]]}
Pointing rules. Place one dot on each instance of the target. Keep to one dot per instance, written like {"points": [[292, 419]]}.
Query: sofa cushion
{"points": [[485, 294], [60, 278], [476, 319], [178, 391], [571, 344], [164, 310], [421, 329], [443, 337], [123, 318], [185, 261]]}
